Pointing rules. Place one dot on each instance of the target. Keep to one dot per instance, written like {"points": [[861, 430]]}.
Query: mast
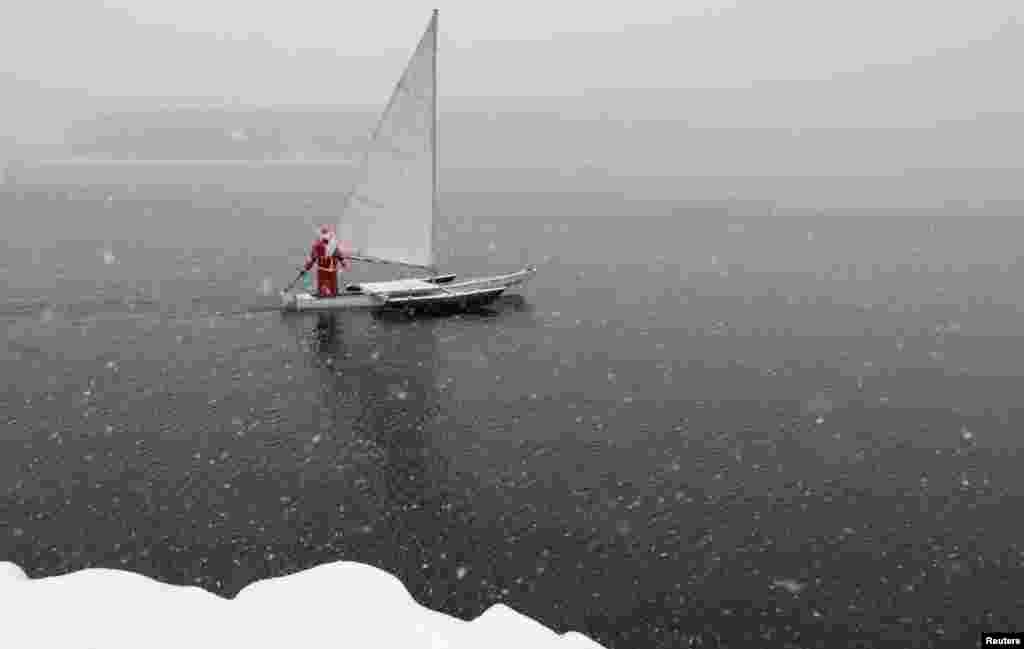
{"points": [[435, 211]]}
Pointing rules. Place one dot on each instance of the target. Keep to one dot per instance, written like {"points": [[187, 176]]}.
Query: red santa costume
{"points": [[328, 258]]}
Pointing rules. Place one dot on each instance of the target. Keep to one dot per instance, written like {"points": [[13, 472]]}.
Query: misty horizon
{"points": [[941, 98]]}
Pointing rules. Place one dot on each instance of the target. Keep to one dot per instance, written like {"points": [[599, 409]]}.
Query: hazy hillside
{"points": [[549, 140]]}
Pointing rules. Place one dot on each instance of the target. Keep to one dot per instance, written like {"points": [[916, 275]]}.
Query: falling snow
{"points": [[410, 423], [793, 587]]}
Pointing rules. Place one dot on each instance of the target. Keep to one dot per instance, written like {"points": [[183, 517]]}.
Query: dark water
{"points": [[696, 425]]}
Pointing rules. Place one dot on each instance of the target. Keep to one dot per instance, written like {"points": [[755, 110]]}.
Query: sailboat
{"points": [[390, 216]]}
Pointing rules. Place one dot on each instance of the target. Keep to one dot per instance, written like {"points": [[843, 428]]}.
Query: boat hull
{"points": [[450, 294]]}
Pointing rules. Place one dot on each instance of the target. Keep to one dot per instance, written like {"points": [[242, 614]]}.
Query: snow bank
{"points": [[342, 604]]}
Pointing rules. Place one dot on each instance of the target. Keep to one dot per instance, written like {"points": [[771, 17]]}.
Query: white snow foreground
{"points": [[345, 605]]}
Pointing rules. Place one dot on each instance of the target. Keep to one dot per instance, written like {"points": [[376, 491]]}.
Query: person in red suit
{"points": [[329, 260]]}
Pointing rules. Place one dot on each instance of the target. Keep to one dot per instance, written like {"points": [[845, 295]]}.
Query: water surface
{"points": [[699, 421]]}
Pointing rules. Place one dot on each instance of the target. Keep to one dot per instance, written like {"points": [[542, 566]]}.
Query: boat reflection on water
{"points": [[400, 488], [381, 402], [379, 387]]}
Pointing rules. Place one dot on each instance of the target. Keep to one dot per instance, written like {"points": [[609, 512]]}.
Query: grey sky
{"points": [[530, 47]]}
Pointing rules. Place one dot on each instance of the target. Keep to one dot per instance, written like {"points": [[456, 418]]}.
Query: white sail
{"points": [[389, 214]]}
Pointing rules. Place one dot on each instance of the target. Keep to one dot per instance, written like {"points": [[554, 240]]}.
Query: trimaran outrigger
{"points": [[390, 215]]}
